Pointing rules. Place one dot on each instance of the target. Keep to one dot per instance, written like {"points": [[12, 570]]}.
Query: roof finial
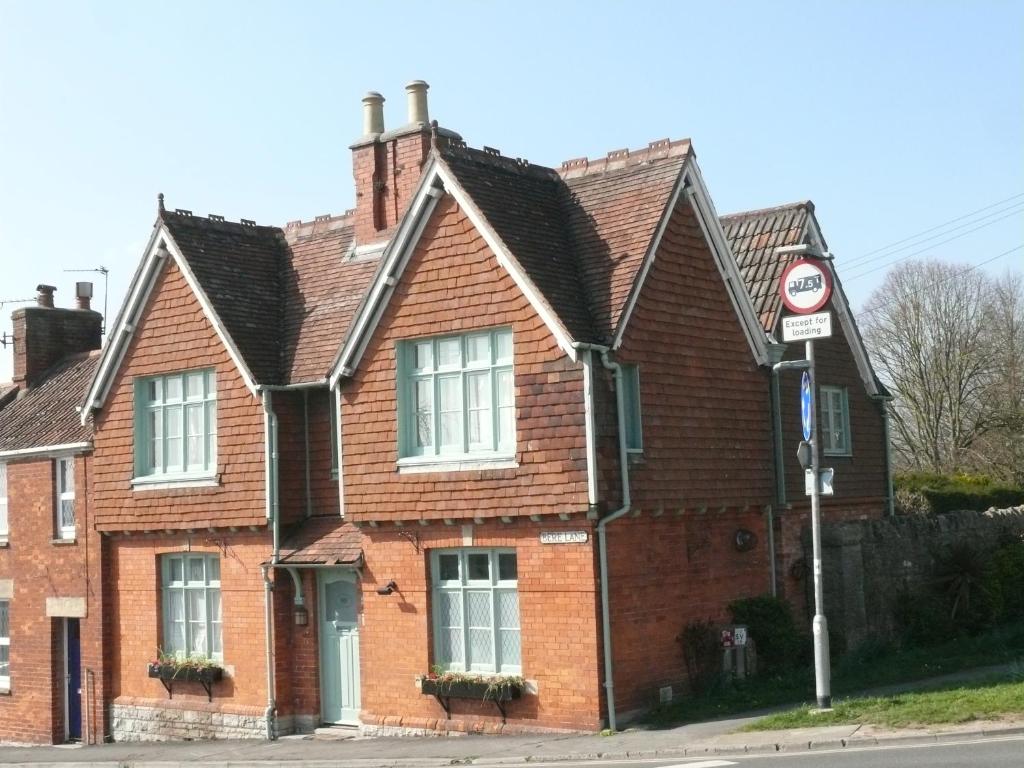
{"points": [[160, 202]]}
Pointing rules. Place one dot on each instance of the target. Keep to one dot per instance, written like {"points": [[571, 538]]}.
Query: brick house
{"points": [[500, 418], [52, 683]]}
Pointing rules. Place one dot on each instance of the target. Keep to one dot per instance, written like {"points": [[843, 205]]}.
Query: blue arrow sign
{"points": [[805, 404]]}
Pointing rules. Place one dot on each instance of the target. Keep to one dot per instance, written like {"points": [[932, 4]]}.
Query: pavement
{"points": [[719, 738]]}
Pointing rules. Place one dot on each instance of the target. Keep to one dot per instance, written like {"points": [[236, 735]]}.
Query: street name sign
{"points": [[804, 327], [805, 286], [563, 537]]}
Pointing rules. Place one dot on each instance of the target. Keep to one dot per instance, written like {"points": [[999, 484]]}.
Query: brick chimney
{"points": [[387, 164], [44, 334]]}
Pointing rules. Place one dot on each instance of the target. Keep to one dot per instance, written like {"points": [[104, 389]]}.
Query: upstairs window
{"points": [[4, 529], [176, 425], [456, 396], [191, 605], [476, 610], [5, 645], [631, 401], [835, 421], [64, 496]]}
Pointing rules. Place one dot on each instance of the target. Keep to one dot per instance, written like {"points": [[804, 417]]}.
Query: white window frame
{"points": [[5, 642], [152, 462], [465, 586], [502, 439], [5, 524], [208, 585], [64, 491], [634, 414], [834, 404]]}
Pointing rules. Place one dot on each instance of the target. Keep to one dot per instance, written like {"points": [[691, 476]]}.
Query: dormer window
{"points": [[456, 396], [176, 426]]}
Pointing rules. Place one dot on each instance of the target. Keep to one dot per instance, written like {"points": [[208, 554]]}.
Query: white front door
{"points": [[339, 647]]}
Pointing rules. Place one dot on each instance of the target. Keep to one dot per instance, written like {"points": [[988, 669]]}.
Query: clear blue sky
{"points": [[892, 116]]}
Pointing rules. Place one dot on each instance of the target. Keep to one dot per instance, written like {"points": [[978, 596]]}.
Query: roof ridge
{"points": [[807, 204], [624, 158], [320, 223], [491, 156], [215, 219]]}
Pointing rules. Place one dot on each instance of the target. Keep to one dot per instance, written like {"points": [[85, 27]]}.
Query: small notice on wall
{"points": [[564, 537]]}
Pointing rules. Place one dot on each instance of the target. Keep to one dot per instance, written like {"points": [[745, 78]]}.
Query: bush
{"points": [[702, 652], [781, 646], [921, 619], [951, 493], [1005, 578]]}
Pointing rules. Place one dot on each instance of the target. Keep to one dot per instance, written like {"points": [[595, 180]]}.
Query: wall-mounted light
{"points": [[745, 540], [301, 615], [388, 588]]}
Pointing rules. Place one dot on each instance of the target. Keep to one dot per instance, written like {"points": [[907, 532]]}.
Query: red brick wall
{"points": [[558, 616], [136, 618], [45, 335], [323, 486], [174, 335], [396, 165], [34, 709], [452, 284]]}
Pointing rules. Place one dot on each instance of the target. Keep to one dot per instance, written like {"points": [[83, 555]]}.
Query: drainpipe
{"points": [[602, 535], [883, 403], [270, 449], [775, 355]]}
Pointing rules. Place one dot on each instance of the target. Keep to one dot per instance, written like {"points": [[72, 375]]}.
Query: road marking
{"points": [[702, 764]]}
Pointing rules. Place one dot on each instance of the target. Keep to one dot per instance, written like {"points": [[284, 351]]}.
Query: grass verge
{"points": [[982, 701], [869, 666]]}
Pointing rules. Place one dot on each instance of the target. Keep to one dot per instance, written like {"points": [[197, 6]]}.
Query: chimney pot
{"points": [[44, 295], [83, 295], [373, 114], [416, 92]]}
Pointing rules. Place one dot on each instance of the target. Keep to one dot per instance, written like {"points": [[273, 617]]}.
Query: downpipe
{"points": [[270, 448], [602, 537]]}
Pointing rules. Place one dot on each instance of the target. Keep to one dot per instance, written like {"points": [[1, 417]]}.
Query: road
{"points": [[983, 753]]}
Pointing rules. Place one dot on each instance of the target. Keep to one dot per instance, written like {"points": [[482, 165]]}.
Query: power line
{"points": [[929, 247], [932, 229], [940, 281]]}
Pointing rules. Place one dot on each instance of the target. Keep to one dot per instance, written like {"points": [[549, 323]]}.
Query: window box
{"points": [[453, 685], [199, 671]]}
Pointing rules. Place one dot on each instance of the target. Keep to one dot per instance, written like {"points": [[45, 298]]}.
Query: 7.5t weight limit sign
{"points": [[806, 286]]}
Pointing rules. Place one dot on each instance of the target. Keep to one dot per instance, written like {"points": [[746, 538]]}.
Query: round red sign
{"points": [[805, 286]]}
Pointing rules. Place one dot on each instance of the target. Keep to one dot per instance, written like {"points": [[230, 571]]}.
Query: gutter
{"points": [[45, 450], [272, 509], [602, 525]]}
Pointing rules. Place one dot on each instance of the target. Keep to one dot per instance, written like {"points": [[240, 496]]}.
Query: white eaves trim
{"points": [[161, 245], [46, 450], [399, 251], [691, 183], [812, 232]]}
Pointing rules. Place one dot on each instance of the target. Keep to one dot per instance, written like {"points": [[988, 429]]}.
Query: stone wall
{"points": [[867, 563], [138, 722]]}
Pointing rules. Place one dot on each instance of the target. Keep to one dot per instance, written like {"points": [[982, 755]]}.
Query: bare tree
{"points": [[939, 344]]}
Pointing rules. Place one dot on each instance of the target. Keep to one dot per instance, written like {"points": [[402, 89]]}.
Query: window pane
{"points": [[211, 382], [176, 570], [423, 356], [155, 391], [448, 568], [172, 388], [507, 569], [506, 410], [479, 395], [211, 433], [65, 476], [631, 401], [5, 661], [450, 397], [213, 568], [197, 620], [507, 602], [3, 481], [156, 440], [478, 566], [175, 630], [503, 346], [195, 570], [449, 353], [478, 349], [172, 442], [449, 623], [424, 413], [216, 644], [5, 620], [481, 629], [194, 385], [67, 513], [196, 445]]}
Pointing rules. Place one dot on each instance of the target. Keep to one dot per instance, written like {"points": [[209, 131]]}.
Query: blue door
{"points": [[339, 647], [73, 679]]}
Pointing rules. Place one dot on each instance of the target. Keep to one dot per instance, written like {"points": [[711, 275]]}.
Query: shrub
{"points": [[769, 621], [961, 574], [1005, 578], [950, 493], [702, 652]]}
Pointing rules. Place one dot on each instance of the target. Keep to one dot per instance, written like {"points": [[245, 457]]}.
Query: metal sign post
{"points": [[805, 288]]}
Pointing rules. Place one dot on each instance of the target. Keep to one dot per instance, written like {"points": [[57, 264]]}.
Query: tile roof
{"points": [[753, 237], [286, 297], [322, 541], [8, 390], [580, 233], [47, 414]]}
